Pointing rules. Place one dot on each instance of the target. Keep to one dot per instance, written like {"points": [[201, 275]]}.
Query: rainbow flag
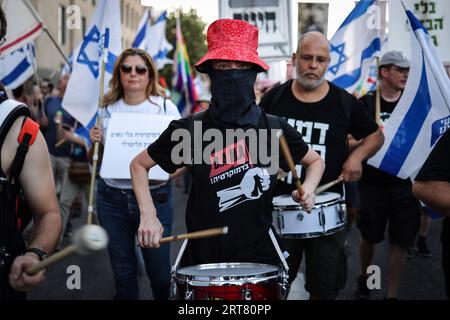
{"points": [[184, 94]]}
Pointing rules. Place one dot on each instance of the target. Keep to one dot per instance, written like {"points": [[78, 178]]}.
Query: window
{"points": [[122, 13], [83, 26], [62, 25]]}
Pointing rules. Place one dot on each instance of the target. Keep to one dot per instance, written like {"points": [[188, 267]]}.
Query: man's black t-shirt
{"points": [[237, 194], [437, 168], [437, 165], [324, 125], [373, 175]]}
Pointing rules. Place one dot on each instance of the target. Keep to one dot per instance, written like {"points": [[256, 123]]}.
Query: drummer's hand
{"points": [[150, 230], [351, 170], [21, 281], [307, 200]]}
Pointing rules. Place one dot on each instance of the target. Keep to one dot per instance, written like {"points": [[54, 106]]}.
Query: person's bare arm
{"points": [[352, 168], [37, 182], [70, 136], [314, 170], [352, 143], [435, 194], [177, 173], [150, 228]]}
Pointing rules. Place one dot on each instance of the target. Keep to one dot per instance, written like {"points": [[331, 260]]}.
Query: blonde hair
{"points": [[116, 93]]}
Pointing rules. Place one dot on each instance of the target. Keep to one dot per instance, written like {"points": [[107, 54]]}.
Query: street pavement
{"points": [[422, 278]]}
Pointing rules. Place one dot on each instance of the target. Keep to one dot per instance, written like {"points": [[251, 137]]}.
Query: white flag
{"points": [[152, 38], [17, 67], [354, 46], [23, 26], [423, 113], [102, 36]]}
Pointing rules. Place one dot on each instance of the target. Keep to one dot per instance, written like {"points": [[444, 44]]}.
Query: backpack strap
{"points": [[26, 138], [281, 89], [369, 102], [273, 122], [347, 101], [10, 110]]}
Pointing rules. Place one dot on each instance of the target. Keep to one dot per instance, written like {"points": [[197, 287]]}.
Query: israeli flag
{"points": [[152, 38], [101, 41], [17, 67], [423, 113], [355, 45]]}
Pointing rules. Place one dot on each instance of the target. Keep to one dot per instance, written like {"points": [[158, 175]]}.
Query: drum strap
{"points": [[278, 249]]}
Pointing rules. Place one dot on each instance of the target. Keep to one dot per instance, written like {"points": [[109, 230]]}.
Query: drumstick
{"points": [[290, 162], [196, 235], [328, 185], [87, 239], [60, 143]]}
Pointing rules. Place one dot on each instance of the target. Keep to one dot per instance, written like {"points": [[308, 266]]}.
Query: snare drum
{"points": [[231, 281], [328, 216]]}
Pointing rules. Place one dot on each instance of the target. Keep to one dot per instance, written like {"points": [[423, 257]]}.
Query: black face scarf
{"points": [[233, 98]]}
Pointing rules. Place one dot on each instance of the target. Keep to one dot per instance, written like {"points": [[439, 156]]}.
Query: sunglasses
{"points": [[139, 68]]}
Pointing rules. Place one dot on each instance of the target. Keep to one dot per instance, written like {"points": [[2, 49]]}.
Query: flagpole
{"points": [[34, 63], [378, 94], [96, 143], [44, 27], [184, 75]]}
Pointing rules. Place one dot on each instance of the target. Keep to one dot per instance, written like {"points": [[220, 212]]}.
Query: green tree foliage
{"points": [[194, 34]]}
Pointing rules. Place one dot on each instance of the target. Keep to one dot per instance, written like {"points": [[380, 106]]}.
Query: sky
{"points": [[208, 10]]}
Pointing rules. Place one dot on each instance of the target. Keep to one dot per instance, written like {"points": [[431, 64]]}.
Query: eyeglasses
{"points": [[139, 68]]}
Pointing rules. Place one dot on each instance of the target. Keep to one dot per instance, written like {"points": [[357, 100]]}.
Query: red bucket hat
{"points": [[234, 40]]}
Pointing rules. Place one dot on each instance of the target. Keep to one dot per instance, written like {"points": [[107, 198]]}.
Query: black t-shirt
{"points": [[371, 174], [437, 165], [324, 125], [237, 194]]}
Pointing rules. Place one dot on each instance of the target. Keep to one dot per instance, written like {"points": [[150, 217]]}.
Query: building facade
{"points": [[67, 21]]}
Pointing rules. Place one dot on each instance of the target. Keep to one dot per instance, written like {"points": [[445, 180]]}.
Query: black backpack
{"points": [[13, 213]]}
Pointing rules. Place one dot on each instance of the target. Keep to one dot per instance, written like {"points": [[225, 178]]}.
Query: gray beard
{"points": [[310, 85]]}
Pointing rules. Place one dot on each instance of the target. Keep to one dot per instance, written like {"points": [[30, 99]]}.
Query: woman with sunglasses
{"points": [[134, 88]]}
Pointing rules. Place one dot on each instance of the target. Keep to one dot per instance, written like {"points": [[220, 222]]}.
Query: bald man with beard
{"points": [[324, 114]]}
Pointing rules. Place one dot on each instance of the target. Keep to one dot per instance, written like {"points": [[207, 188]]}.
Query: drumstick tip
{"points": [[279, 133], [225, 230]]}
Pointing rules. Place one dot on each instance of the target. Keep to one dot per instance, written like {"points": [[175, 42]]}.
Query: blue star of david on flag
{"points": [[101, 44], [339, 49], [98, 40]]}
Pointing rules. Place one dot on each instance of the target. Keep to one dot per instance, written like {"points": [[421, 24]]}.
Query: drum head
{"points": [[224, 273], [285, 200], [326, 197]]}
